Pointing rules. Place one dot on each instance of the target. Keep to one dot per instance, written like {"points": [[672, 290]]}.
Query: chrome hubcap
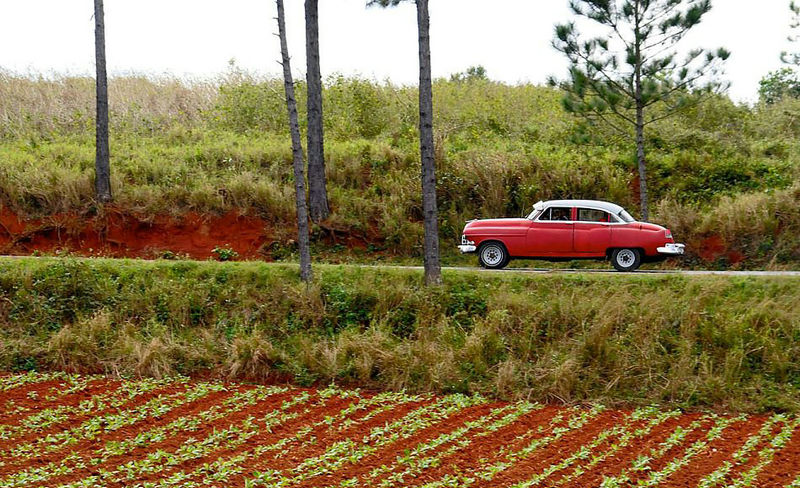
{"points": [[492, 255], [626, 258]]}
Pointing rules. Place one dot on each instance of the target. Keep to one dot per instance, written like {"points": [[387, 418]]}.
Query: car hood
{"points": [[498, 226]]}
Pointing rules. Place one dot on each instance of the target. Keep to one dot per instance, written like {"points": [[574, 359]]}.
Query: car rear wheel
{"points": [[493, 255], [626, 259]]}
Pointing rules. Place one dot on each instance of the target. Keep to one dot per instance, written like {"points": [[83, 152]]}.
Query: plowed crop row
{"points": [[66, 431]]}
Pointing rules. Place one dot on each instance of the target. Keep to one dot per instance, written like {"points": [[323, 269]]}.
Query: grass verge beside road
{"points": [[686, 341]]}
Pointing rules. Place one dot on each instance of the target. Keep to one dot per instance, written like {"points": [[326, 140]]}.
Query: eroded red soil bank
{"points": [[119, 234]]}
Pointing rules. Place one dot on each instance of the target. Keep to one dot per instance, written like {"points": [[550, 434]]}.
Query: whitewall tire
{"points": [[493, 255], [626, 259]]}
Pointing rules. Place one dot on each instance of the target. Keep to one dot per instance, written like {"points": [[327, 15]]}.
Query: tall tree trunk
{"points": [[102, 181], [637, 81], [297, 153], [640, 160], [433, 270], [317, 191]]}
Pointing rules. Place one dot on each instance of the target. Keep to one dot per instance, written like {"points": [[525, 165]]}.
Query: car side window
{"points": [[592, 215], [557, 213]]}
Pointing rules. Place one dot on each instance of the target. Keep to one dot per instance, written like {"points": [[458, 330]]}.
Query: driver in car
{"points": [[561, 214]]}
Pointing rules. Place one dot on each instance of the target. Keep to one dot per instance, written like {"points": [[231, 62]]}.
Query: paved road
{"points": [[609, 271]]}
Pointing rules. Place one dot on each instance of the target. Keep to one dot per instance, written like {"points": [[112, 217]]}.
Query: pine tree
{"points": [[102, 182], [433, 269], [618, 78], [297, 153], [317, 191], [787, 57]]}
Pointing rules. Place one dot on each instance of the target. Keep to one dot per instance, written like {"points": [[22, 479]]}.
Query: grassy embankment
{"points": [[688, 341], [724, 177]]}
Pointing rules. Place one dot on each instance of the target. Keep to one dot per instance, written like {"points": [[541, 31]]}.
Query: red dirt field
{"points": [[70, 431]]}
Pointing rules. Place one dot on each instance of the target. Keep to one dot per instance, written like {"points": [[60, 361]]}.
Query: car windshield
{"points": [[534, 214], [625, 216]]}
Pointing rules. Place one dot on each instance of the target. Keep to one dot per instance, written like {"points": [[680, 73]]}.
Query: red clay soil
{"points": [[309, 416], [17, 464], [560, 449], [511, 437], [388, 455], [785, 466], [719, 450], [118, 234], [478, 453], [47, 389], [324, 437], [31, 394], [472, 439], [675, 452], [172, 443], [614, 464], [122, 234]]}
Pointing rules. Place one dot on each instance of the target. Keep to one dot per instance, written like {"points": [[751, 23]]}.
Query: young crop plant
{"points": [[304, 436], [642, 463], [696, 448], [741, 455], [232, 439], [351, 451], [584, 453], [10, 382], [179, 433], [765, 456], [96, 426], [416, 461], [192, 448], [655, 418], [577, 420], [110, 399]]}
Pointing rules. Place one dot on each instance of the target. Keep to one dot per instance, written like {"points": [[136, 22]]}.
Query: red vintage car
{"points": [[570, 229]]}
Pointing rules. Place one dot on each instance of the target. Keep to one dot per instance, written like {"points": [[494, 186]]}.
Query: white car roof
{"points": [[598, 204]]}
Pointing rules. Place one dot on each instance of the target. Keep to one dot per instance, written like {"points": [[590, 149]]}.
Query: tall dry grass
{"points": [[684, 341]]}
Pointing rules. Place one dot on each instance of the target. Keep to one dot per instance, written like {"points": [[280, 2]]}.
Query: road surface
{"points": [[605, 271]]}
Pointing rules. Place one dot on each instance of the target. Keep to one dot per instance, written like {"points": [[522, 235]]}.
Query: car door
{"points": [[551, 233], [592, 231]]}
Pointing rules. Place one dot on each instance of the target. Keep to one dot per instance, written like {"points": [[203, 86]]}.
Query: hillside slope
{"points": [[723, 177]]}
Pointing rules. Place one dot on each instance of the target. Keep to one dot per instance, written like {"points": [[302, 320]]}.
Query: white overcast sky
{"points": [[197, 38]]}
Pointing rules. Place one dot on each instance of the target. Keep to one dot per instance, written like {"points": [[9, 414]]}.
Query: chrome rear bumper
{"points": [[672, 249]]}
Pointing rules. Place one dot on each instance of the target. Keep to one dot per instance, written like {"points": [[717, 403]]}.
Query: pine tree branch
{"points": [[603, 72], [675, 110], [660, 15], [667, 37]]}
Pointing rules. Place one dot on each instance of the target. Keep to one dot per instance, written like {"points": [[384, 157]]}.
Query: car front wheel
{"points": [[626, 259], [493, 255]]}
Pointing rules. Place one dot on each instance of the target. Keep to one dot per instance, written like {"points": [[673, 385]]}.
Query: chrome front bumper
{"points": [[466, 246], [672, 249]]}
